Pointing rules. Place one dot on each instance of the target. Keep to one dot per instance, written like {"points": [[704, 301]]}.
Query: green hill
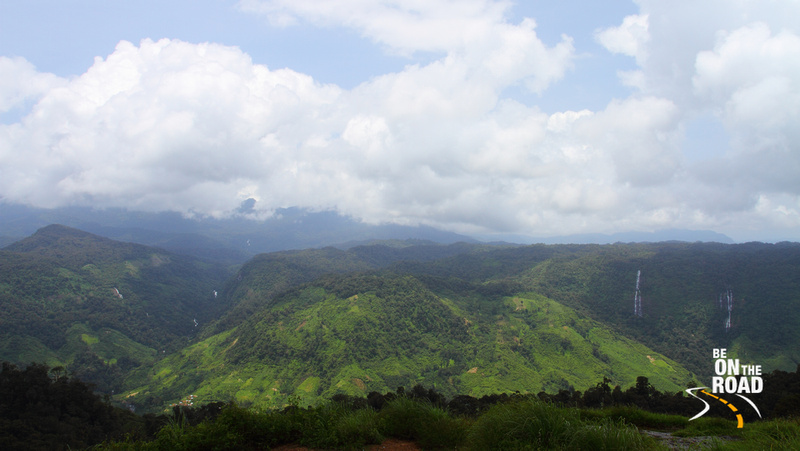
{"points": [[355, 334], [476, 319], [681, 285], [99, 306], [267, 275]]}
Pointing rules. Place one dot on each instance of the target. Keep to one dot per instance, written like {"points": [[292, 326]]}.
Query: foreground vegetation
{"points": [[43, 408], [518, 423]]}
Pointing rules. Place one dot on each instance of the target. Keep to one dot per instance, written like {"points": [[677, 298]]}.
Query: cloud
{"points": [[20, 82], [753, 75], [737, 62], [639, 135], [473, 32], [405, 27], [630, 38], [166, 125], [200, 128], [752, 79]]}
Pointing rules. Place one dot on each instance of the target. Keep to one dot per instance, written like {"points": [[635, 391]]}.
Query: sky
{"points": [[481, 117]]}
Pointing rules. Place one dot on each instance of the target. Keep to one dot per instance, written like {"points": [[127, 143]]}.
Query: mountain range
{"points": [[237, 238], [152, 326]]}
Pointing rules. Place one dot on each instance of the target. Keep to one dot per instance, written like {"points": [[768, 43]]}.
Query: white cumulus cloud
{"points": [[21, 82]]}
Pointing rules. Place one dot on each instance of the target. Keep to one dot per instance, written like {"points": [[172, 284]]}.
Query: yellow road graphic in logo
{"points": [[730, 406]]}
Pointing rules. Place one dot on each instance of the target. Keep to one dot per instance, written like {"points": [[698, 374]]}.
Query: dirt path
{"points": [[672, 442], [684, 443], [391, 444]]}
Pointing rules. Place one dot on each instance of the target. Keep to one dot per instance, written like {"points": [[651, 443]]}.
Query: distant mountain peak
{"points": [[61, 230], [75, 248], [50, 235]]}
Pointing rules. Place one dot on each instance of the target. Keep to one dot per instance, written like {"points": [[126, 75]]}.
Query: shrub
{"points": [[419, 420], [359, 428], [521, 424], [609, 435], [534, 424]]}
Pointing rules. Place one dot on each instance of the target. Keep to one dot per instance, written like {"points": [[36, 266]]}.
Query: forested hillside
{"points": [[267, 275], [99, 306], [681, 287], [354, 334]]}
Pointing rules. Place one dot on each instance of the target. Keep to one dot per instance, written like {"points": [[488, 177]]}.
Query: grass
{"points": [[430, 426], [519, 424], [711, 427], [638, 417], [774, 434], [532, 424]]}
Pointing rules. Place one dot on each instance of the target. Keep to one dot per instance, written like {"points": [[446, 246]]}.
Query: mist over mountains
{"points": [[233, 239], [690, 236], [236, 239]]}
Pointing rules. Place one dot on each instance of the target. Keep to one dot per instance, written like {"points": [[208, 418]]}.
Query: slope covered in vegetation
{"points": [[354, 334], [100, 306], [681, 285]]}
